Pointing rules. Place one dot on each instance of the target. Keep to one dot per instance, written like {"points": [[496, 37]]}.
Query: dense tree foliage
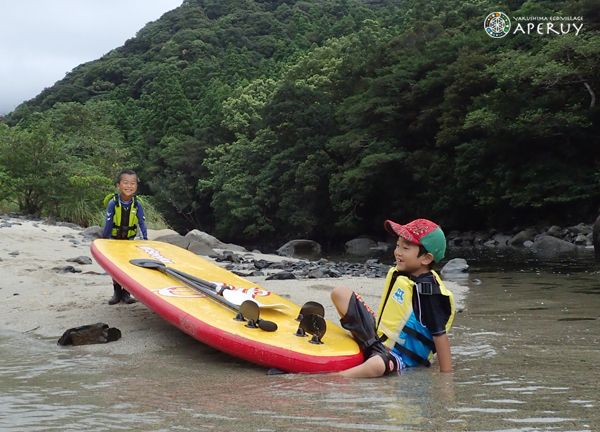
{"points": [[256, 120]]}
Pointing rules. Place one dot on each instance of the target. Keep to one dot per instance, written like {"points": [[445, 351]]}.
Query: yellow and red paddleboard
{"points": [[211, 322]]}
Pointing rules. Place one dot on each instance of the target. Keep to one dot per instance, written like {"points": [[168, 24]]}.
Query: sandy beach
{"points": [[36, 297]]}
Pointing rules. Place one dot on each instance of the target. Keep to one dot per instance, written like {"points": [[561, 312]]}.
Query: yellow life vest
{"points": [[398, 328], [124, 231]]}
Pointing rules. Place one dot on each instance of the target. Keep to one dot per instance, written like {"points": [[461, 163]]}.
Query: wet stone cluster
{"points": [[247, 265]]}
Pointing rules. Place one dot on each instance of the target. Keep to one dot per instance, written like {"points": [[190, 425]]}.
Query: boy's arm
{"points": [[442, 346], [142, 222], [108, 222]]}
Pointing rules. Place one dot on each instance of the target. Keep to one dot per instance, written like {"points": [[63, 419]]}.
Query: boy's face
{"points": [[408, 259], [127, 186]]}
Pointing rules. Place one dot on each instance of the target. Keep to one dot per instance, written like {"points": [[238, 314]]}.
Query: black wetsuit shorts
{"points": [[360, 320]]}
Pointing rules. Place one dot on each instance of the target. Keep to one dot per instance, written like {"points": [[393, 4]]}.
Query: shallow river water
{"points": [[526, 350]]}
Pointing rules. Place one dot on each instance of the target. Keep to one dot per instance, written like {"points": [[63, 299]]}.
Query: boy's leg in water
{"points": [[361, 323]]}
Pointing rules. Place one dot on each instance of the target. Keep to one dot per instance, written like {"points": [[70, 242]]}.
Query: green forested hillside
{"points": [[321, 119]]}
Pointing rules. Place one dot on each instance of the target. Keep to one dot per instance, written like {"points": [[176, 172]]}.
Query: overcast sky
{"points": [[42, 40]]}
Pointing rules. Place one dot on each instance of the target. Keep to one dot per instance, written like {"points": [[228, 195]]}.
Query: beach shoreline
{"points": [[36, 297]]}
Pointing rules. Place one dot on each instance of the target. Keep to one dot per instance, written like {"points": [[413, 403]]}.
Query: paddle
{"points": [[234, 296], [248, 309], [238, 297]]}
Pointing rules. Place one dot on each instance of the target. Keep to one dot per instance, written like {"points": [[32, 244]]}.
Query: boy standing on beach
{"points": [[124, 212], [415, 312]]}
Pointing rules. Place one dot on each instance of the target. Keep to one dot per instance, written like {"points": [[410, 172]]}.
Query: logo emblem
{"points": [[178, 291], [155, 254], [497, 24], [399, 296]]}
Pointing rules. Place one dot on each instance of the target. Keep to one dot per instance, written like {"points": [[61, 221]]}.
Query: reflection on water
{"points": [[526, 352]]}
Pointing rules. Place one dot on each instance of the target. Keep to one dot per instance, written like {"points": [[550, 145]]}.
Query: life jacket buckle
{"points": [[425, 288]]}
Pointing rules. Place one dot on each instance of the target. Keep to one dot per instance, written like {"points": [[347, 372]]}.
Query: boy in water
{"points": [[415, 312], [124, 212]]}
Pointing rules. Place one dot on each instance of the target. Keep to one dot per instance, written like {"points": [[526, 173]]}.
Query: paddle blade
{"points": [[250, 310], [236, 297], [147, 263]]}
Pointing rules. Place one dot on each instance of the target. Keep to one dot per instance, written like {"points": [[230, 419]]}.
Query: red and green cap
{"points": [[422, 232]]}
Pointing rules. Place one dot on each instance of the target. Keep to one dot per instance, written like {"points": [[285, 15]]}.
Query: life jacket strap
{"points": [[122, 231], [414, 356], [420, 336]]}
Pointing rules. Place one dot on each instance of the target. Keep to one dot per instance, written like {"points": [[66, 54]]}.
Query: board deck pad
{"points": [[213, 323]]}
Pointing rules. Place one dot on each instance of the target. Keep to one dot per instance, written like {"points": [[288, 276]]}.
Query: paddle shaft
{"points": [[199, 287], [265, 325], [196, 279], [247, 310]]}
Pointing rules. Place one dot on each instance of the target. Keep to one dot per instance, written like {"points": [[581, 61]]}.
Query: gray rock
{"points": [[300, 247], [228, 256], [154, 234], [261, 264], [549, 245], [69, 269], [360, 246], [200, 248], [556, 231], [452, 235], [522, 237], [81, 260], [92, 233], [212, 241], [502, 239], [469, 237], [596, 235], [580, 229], [284, 275], [176, 240], [70, 225], [203, 237], [479, 238], [316, 274], [454, 266]]}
